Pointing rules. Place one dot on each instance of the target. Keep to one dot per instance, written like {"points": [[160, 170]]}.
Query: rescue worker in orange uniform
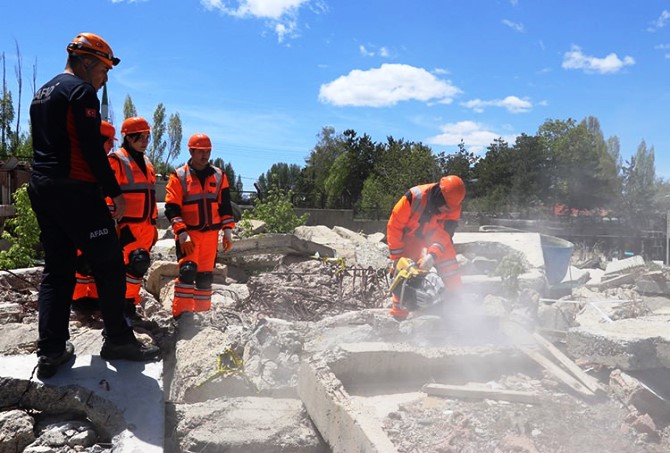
{"points": [[85, 296], [421, 228], [137, 228], [197, 203]]}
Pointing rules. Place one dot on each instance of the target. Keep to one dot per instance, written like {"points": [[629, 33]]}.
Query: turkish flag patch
{"points": [[90, 113]]}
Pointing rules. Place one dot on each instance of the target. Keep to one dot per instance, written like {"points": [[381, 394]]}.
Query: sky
{"points": [[262, 78]]}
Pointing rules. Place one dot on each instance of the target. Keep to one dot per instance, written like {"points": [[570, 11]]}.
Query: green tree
{"points": [[460, 163], [495, 174], [158, 144], [281, 175], [22, 232], [344, 183], [276, 210], [639, 185], [317, 167], [174, 132], [129, 109], [585, 173], [532, 165], [399, 166], [6, 115]]}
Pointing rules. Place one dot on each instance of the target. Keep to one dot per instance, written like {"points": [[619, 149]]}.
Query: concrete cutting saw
{"points": [[415, 288]]}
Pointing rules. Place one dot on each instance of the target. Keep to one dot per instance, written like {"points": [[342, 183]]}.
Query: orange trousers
{"points": [[193, 287]]}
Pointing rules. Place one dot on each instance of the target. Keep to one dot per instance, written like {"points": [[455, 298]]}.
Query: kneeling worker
{"points": [[421, 228]]}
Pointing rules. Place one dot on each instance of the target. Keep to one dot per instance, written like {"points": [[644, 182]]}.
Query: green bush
{"points": [[276, 211], [510, 267], [23, 232]]}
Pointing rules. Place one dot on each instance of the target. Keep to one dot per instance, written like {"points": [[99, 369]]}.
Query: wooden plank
{"points": [[554, 369], [589, 381], [477, 392], [525, 342]]}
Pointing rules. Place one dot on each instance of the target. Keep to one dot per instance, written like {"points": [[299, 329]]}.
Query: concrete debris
{"points": [[298, 353]]}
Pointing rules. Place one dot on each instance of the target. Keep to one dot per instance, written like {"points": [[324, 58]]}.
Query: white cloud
{"points": [[512, 104], [513, 25], [366, 52], [575, 59], [386, 86], [476, 136], [282, 15], [661, 22]]}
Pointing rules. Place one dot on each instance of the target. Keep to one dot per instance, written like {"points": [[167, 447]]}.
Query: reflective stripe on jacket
{"points": [[139, 190], [406, 222], [199, 203]]}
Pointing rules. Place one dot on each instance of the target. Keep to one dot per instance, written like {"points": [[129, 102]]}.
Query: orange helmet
{"points": [[199, 141], [453, 190], [107, 130], [90, 44], [134, 125]]}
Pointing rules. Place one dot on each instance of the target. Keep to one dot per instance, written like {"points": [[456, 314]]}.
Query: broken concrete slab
{"points": [[653, 283], [244, 425], [344, 424], [529, 244], [629, 344], [128, 395], [625, 265], [273, 244]]}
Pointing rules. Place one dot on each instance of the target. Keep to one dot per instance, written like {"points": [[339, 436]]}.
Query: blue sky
{"points": [[263, 77]]}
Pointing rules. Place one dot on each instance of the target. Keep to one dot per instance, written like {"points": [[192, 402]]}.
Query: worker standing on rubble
{"points": [[421, 228], [137, 228], [71, 175], [85, 297], [197, 203]]}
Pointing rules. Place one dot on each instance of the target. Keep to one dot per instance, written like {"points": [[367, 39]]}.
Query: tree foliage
{"points": [[129, 109], [399, 166], [281, 175], [276, 210], [22, 232], [639, 185], [174, 132]]}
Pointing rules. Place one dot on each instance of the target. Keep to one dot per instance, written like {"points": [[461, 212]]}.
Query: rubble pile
{"points": [[586, 371]]}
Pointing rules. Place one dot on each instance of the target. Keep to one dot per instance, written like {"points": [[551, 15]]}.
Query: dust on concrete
{"points": [[306, 291]]}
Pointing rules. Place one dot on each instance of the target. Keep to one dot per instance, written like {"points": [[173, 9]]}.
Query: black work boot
{"points": [[132, 350], [48, 364]]}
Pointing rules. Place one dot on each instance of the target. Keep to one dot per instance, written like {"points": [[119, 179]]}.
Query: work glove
{"points": [[227, 240], [186, 244], [427, 261]]}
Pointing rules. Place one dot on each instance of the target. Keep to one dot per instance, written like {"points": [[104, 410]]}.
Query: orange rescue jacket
{"points": [[139, 190], [407, 221], [199, 204]]}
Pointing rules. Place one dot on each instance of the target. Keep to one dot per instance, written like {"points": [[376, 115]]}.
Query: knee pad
{"points": [[138, 262], [187, 272], [203, 280]]}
